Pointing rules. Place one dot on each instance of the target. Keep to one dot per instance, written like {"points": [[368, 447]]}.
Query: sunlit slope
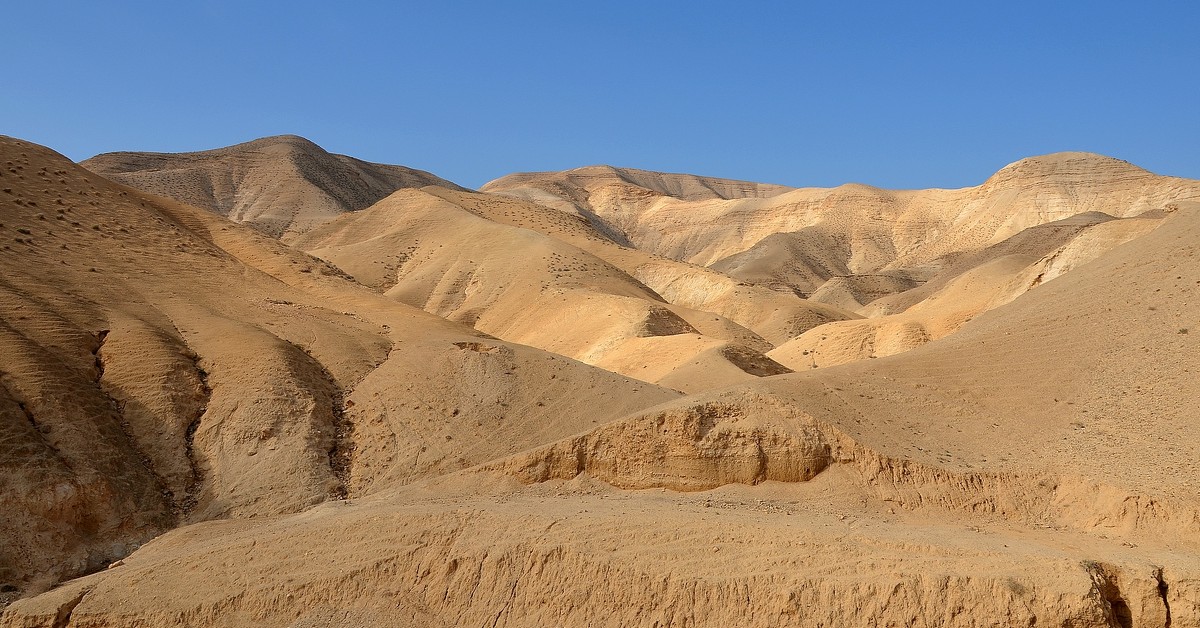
{"points": [[522, 285], [279, 185], [801, 238], [775, 316], [969, 286]]}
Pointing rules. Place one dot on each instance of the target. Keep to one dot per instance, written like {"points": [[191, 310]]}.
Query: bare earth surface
{"points": [[598, 397]]}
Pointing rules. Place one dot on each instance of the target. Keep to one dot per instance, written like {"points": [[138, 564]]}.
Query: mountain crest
{"points": [[282, 185]]}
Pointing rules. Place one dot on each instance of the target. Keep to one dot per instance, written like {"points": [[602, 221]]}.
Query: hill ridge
{"points": [[282, 185]]}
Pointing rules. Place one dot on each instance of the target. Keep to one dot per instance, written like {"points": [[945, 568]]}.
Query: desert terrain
{"points": [[269, 385]]}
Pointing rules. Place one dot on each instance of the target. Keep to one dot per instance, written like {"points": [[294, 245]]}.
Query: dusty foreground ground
{"points": [[600, 397], [582, 553]]}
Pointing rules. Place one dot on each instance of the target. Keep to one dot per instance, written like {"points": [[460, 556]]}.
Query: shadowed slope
{"points": [[163, 365]]}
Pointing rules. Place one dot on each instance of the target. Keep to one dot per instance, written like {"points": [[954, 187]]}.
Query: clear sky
{"points": [[896, 94]]}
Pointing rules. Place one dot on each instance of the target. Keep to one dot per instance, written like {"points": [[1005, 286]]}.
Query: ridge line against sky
{"points": [[911, 95]]}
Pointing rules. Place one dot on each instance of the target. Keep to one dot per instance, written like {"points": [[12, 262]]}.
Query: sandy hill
{"points": [[279, 185], [801, 238], [365, 428], [534, 275], [286, 186], [162, 365], [968, 286], [571, 190], [524, 286], [878, 252], [1010, 474], [775, 316]]}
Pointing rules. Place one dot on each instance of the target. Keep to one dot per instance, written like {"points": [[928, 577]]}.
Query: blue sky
{"points": [[895, 94]]}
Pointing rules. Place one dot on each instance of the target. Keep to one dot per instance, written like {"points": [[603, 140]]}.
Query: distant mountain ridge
{"points": [[280, 185], [688, 187], [797, 238]]}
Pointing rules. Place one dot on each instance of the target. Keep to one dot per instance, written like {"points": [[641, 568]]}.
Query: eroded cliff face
{"points": [[690, 448], [732, 509], [748, 438], [583, 553]]}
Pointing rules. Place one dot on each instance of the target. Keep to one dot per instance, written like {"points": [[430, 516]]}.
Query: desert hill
{"points": [[774, 316], [532, 275], [695, 348], [163, 365], [885, 491], [970, 285], [879, 252], [279, 185], [571, 190], [1064, 364], [448, 407], [688, 187], [803, 237]]}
